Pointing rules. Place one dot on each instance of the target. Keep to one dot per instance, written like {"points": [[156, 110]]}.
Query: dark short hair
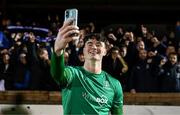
{"points": [[96, 36], [172, 53], [114, 49]]}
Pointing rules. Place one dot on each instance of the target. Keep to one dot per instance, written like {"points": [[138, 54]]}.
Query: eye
{"points": [[98, 44]]}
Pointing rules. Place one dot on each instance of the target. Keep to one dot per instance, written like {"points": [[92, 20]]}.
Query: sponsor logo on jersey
{"points": [[102, 100], [87, 96]]}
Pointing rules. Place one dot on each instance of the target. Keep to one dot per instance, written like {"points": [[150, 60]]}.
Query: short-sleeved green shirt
{"points": [[88, 93]]}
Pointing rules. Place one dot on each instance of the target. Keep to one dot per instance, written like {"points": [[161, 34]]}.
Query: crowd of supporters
{"points": [[142, 59]]}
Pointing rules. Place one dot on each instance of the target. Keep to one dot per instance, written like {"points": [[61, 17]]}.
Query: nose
{"points": [[94, 46]]}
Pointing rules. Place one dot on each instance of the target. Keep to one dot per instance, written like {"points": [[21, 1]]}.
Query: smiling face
{"points": [[173, 58], [140, 45], [94, 50], [142, 54]]}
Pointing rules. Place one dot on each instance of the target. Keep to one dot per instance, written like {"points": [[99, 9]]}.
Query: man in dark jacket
{"points": [[142, 79]]}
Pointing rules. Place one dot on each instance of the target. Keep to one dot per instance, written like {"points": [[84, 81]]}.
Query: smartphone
{"points": [[71, 13]]}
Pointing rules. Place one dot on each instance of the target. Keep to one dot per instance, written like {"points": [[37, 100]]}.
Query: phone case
{"points": [[72, 13]]}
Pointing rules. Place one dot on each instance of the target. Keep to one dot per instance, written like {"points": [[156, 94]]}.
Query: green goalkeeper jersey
{"points": [[85, 92]]}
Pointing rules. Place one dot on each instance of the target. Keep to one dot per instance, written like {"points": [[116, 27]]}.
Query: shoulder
{"points": [[72, 69], [116, 85], [114, 82], [109, 76]]}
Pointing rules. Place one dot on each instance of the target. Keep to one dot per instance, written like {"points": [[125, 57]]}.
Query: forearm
{"points": [[57, 60], [123, 62], [57, 68]]}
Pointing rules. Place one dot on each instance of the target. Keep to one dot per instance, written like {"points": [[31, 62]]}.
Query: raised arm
{"points": [[57, 60], [125, 66]]}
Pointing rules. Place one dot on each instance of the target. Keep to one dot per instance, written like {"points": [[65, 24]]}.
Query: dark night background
{"points": [[102, 12]]}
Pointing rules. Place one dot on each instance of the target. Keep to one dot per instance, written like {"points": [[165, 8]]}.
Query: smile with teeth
{"points": [[93, 52]]}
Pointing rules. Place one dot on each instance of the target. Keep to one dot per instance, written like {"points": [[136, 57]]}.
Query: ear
{"points": [[105, 52], [104, 49], [83, 50]]}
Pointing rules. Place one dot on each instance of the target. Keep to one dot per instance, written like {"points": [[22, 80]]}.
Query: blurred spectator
{"points": [[170, 74], [115, 65], [4, 42], [142, 79], [158, 46], [39, 67], [119, 33], [22, 74], [112, 38], [7, 71], [131, 48], [170, 49], [140, 45], [80, 60], [123, 51]]}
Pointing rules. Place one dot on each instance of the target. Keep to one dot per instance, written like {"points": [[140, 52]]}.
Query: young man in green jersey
{"points": [[87, 89]]}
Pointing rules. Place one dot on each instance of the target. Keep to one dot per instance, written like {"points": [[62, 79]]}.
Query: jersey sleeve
{"points": [[61, 74], [117, 107]]}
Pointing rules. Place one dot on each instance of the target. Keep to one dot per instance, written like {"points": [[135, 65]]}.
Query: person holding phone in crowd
{"points": [[86, 89]]}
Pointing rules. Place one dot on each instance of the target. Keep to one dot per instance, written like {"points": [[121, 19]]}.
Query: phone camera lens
{"points": [[67, 14]]}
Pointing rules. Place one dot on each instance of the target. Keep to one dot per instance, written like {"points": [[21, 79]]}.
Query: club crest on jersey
{"points": [[106, 84]]}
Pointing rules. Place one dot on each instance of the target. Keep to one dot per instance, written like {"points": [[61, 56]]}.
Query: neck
{"points": [[93, 66]]}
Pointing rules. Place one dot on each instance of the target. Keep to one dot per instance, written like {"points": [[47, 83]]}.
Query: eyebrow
{"points": [[90, 42]]}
